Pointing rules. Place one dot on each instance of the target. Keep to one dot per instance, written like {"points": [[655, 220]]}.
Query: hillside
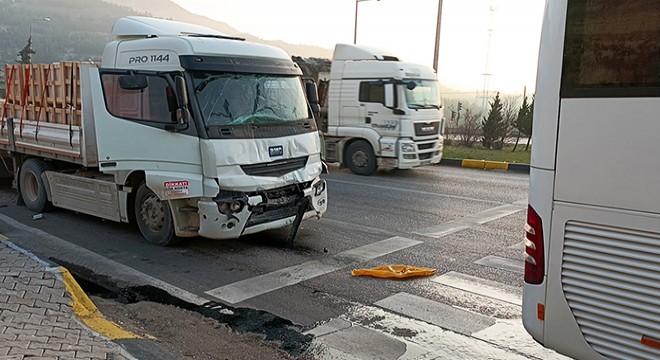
{"points": [[79, 29], [169, 10]]}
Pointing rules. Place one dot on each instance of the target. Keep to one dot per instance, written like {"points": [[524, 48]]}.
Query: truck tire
{"points": [[154, 218], [32, 186], [360, 158]]}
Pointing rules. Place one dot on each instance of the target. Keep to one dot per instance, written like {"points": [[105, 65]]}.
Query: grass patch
{"points": [[520, 156]]}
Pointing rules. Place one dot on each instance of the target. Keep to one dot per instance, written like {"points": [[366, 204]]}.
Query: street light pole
{"points": [[355, 26], [37, 19], [436, 52]]}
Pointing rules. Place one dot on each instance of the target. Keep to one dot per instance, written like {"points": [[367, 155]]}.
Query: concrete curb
{"points": [[86, 313], [486, 165]]}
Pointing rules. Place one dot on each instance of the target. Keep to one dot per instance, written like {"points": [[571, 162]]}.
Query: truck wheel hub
{"points": [[153, 213], [360, 159]]}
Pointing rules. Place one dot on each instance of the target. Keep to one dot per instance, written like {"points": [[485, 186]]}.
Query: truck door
{"points": [[376, 114], [134, 117]]}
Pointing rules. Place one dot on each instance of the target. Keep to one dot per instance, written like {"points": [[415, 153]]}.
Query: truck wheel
{"points": [[153, 217], [32, 186], [360, 158]]}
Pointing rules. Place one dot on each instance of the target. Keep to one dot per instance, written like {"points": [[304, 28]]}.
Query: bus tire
{"points": [[360, 158], [154, 218], [32, 185]]}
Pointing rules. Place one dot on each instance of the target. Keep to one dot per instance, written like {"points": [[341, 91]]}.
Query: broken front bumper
{"points": [[233, 214]]}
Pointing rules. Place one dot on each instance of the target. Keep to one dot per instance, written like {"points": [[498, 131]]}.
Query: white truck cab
{"points": [[380, 111]]}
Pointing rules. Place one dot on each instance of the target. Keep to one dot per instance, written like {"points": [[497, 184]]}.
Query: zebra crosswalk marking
{"points": [[480, 286], [515, 266]]}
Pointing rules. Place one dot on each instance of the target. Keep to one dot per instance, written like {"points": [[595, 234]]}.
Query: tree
{"points": [[493, 125], [524, 121], [509, 115], [469, 128]]}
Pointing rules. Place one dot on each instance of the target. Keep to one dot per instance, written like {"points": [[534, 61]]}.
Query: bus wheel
{"points": [[360, 158], [32, 186], [153, 217]]}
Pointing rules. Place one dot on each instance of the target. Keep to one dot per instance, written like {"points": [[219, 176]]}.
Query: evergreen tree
{"points": [[493, 125], [523, 122]]}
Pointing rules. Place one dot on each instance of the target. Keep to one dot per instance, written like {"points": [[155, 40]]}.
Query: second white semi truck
{"points": [[377, 111], [182, 130]]}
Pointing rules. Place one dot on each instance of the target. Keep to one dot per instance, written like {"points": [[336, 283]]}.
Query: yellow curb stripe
{"points": [[3, 237], [470, 163], [485, 164], [499, 165], [90, 315]]}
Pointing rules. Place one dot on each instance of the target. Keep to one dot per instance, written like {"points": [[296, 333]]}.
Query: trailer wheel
{"points": [[32, 186], [153, 217], [360, 158]]}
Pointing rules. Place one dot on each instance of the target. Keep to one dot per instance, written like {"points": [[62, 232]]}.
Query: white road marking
{"points": [[515, 266], [259, 285], [469, 221], [511, 334], [520, 246], [359, 329], [480, 286], [436, 313]]}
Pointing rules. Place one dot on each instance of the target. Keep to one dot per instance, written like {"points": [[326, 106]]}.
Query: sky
{"points": [[495, 37]]}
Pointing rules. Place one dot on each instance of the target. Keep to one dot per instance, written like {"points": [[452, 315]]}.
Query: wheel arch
{"points": [[133, 180], [353, 134]]}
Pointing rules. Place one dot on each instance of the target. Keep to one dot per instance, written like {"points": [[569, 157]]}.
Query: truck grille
{"points": [[426, 129], [275, 168], [611, 282], [279, 204]]}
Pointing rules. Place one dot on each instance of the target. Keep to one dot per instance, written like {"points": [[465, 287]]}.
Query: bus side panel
{"points": [[600, 285], [607, 153]]}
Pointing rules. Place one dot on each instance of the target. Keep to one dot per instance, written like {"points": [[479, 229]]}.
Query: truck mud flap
{"points": [[296, 222]]}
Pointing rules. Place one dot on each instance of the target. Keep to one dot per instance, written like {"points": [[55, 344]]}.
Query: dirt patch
{"points": [[189, 333]]}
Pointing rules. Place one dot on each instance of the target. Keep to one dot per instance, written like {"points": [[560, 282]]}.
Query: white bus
{"points": [[592, 269]]}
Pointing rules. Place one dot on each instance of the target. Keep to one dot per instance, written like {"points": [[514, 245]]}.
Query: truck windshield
{"points": [[425, 95], [235, 99]]}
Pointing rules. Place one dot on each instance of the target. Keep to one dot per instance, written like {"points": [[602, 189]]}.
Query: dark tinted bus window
{"points": [[612, 48]]}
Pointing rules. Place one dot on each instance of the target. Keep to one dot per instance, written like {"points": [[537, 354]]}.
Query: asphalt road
{"points": [[466, 223]]}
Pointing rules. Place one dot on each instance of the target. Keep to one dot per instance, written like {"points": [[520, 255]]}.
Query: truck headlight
{"points": [[407, 148], [319, 188]]}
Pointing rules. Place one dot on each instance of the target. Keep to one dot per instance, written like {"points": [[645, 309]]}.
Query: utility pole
{"points": [[436, 52]]}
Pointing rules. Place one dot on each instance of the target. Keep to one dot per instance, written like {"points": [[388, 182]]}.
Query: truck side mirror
{"points": [[389, 95], [181, 92], [312, 96], [181, 114]]}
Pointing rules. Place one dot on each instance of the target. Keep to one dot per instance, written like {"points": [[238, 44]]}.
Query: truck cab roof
{"points": [[156, 44], [364, 62], [141, 26]]}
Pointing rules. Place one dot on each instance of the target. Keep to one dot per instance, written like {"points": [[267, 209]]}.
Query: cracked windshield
{"points": [[424, 95], [235, 99]]}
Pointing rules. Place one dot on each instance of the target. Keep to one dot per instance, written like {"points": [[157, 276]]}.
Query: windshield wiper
{"points": [[205, 82], [420, 106]]}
